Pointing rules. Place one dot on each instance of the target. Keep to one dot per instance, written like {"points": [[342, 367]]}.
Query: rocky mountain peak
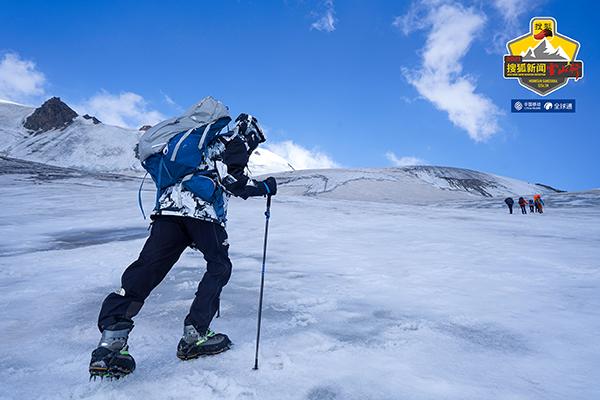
{"points": [[53, 114]]}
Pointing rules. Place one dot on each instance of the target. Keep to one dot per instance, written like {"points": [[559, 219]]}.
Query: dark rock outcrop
{"points": [[53, 114], [95, 120], [551, 188], [145, 128]]}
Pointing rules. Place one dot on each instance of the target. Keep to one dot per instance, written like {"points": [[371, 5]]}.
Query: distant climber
{"points": [[523, 205], [531, 210], [539, 203], [509, 202]]}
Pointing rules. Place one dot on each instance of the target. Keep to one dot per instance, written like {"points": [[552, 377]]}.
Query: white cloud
{"points": [[403, 161], [510, 9], [415, 18], [440, 79], [327, 20], [19, 79], [169, 100], [125, 109], [300, 157]]}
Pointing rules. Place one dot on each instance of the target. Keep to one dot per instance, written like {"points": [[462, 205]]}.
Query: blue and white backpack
{"points": [[174, 150]]}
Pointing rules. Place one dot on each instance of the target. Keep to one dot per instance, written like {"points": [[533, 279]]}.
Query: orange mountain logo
{"points": [[543, 60]]}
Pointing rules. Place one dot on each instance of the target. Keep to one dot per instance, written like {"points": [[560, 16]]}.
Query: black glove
{"points": [[270, 186]]}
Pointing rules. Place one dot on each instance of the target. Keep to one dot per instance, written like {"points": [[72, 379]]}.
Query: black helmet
{"points": [[248, 128]]}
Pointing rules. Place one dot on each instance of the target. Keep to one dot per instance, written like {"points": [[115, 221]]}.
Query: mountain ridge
{"points": [[411, 184], [100, 148], [86, 143]]}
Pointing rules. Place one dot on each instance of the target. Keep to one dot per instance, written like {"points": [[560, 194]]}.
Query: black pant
{"points": [[523, 210], [509, 208], [169, 237]]}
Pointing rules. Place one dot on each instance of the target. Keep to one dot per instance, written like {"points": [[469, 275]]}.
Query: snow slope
{"points": [[82, 144], [458, 301], [92, 147], [263, 161], [12, 116], [417, 184]]}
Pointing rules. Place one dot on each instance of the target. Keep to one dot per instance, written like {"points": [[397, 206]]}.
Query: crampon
{"points": [[193, 345], [111, 359], [111, 364]]}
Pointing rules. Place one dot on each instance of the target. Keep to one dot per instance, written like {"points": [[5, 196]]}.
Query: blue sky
{"points": [[350, 81]]}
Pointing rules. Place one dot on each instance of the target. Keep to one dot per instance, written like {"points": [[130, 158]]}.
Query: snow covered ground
{"points": [[364, 300]]}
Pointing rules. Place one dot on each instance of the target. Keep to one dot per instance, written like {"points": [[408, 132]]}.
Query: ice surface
{"points": [[455, 299]]}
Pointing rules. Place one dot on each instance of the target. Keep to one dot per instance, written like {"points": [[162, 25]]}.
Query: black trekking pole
{"points": [[262, 279]]}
